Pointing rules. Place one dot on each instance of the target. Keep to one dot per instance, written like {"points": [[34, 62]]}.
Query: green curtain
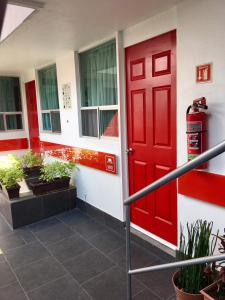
{"points": [[10, 99], [55, 120], [48, 88], [13, 122], [99, 75], [46, 121], [89, 122]]}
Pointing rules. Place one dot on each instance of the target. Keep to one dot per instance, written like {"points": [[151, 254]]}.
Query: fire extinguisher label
{"points": [[194, 126], [194, 141], [194, 137]]}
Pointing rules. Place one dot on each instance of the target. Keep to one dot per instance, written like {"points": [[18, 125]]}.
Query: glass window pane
{"points": [[46, 121], [10, 98], [98, 75], [89, 123], [47, 78], [2, 127], [14, 122], [109, 123], [55, 119]]}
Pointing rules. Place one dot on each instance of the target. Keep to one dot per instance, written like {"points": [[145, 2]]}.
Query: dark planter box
{"points": [[14, 191], [30, 209], [32, 172], [39, 187]]}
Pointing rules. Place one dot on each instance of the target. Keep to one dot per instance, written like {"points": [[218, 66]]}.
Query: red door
{"points": [[151, 111], [32, 116]]}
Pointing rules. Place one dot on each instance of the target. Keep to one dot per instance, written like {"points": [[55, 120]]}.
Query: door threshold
{"points": [[154, 240]]}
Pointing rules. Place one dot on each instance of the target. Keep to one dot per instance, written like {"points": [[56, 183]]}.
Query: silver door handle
{"points": [[129, 150]]}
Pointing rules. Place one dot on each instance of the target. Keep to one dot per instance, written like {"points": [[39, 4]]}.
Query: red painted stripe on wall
{"points": [[203, 186], [14, 144], [94, 159]]}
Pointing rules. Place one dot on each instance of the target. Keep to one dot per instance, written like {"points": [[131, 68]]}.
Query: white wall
{"points": [[201, 40], [152, 27]]}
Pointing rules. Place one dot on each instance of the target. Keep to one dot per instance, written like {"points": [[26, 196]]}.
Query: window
{"points": [[98, 79], [49, 99], [10, 104]]}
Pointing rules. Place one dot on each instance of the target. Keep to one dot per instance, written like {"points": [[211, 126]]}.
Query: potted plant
{"points": [[189, 280], [6, 163], [54, 176], [31, 163], [10, 178], [216, 291]]}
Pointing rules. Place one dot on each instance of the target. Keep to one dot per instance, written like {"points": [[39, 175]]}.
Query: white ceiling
{"points": [[63, 25]]}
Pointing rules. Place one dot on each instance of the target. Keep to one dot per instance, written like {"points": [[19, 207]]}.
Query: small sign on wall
{"points": [[66, 93], [110, 163], [204, 73]]}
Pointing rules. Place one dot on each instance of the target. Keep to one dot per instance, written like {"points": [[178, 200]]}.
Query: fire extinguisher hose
{"points": [[188, 109]]}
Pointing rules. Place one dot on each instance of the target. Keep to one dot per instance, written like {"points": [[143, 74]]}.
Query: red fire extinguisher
{"points": [[197, 129]]}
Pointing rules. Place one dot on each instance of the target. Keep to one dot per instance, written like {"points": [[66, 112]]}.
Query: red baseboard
{"points": [[14, 144], [94, 159], [203, 186]]}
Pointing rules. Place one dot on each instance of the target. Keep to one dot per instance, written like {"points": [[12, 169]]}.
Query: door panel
{"points": [[138, 108], [32, 116], [151, 117]]}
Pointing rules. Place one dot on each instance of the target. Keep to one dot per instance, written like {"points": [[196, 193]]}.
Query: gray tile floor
{"points": [[72, 257]]}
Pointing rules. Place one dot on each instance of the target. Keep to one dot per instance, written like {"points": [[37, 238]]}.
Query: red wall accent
{"points": [[94, 159], [203, 186], [14, 144]]}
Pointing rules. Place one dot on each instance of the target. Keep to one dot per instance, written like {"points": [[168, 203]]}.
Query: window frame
{"points": [[99, 108], [48, 111], [9, 113], [42, 111]]}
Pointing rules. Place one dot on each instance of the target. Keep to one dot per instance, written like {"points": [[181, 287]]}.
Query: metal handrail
{"points": [[202, 158], [177, 264]]}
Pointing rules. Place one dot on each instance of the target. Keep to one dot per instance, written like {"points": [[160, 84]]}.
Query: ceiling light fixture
{"points": [[15, 15]]}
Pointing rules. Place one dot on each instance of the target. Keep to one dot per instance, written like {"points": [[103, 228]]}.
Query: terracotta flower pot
{"points": [[206, 291], [181, 295]]}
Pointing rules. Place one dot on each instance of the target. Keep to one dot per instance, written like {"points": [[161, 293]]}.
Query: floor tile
{"points": [[69, 248], [4, 228], [139, 257], [25, 234], [172, 297], [10, 241], [6, 275], [146, 295], [110, 285], [53, 234], [88, 265], [12, 292], [43, 225], [39, 273], [159, 282], [107, 241], [64, 288], [88, 228], [74, 217], [26, 254]]}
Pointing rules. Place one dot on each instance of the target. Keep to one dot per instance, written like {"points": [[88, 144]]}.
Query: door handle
{"points": [[129, 150]]}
